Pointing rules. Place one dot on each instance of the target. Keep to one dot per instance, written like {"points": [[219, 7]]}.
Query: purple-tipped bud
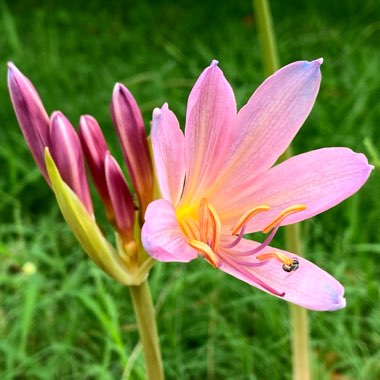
{"points": [[67, 154], [129, 125], [121, 198], [95, 148], [31, 115]]}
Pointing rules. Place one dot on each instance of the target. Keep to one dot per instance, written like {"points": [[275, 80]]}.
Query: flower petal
{"points": [[85, 228], [67, 153], [31, 115], [208, 133], [168, 145], [308, 286], [162, 236], [266, 125], [319, 179]]}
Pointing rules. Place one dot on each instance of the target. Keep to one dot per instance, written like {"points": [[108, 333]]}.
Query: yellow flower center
{"points": [[202, 226]]}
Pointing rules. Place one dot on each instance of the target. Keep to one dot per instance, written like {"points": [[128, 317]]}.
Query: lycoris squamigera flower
{"points": [[218, 183], [59, 153]]}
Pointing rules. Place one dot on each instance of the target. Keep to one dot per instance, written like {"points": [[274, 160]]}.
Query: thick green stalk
{"points": [[299, 319], [146, 322]]}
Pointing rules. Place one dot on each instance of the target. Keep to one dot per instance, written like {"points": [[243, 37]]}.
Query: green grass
{"points": [[69, 320]]}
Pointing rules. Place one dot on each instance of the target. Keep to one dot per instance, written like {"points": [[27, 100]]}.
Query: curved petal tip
{"points": [[340, 304], [11, 65], [116, 88], [156, 114]]}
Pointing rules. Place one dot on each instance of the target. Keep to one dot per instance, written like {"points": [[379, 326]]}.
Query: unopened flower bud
{"points": [[121, 198], [129, 124], [67, 153], [31, 115]]}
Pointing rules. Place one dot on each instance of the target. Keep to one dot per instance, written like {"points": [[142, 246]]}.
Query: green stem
{"points": [[298, 315], [266, 31], [146, 322]]}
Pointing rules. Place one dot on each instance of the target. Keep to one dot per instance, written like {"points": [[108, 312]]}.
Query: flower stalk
{"points": [[146, 322], [298, 315]]}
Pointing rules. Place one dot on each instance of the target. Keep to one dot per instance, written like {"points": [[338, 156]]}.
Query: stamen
{"points": [[275, 255], [237, 240], [203, 220], [282, 215], [288, 264], [217, 228], [207, 215], [260, 247], [245, 263], [206, 251], [247, 216]]}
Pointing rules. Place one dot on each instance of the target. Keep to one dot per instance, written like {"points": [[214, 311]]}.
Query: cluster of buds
{"points": [[59, 152]]}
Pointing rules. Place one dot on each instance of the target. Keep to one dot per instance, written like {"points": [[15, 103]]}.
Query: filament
{"points": [[217, 228], [247, 216], [282, 215]]}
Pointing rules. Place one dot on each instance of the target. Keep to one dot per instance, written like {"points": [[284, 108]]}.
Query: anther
{"points": [[282, 215], [288, 264], [206, 251], [276, 255], [247, 216]]}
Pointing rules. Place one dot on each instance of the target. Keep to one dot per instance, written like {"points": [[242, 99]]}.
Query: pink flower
{"points": [[218, 183]]}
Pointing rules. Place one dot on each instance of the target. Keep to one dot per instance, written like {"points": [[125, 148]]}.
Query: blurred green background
{"points": [[70, 321]]}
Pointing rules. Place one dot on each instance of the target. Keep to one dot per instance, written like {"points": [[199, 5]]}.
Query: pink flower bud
{"points": [[31, 115], [67, 154], [121, 198], [95, 148], [129, 125]]}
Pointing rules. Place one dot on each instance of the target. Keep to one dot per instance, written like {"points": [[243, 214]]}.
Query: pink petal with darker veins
{"points": [[267, 124], [309, 286], [208, 132], [168, 145], [320, 179]]}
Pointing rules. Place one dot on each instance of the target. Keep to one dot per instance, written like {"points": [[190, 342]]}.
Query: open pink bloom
{"points": [[218, 183]]}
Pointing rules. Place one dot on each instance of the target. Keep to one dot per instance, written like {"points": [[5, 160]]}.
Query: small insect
{"points": [[292, 267]]}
